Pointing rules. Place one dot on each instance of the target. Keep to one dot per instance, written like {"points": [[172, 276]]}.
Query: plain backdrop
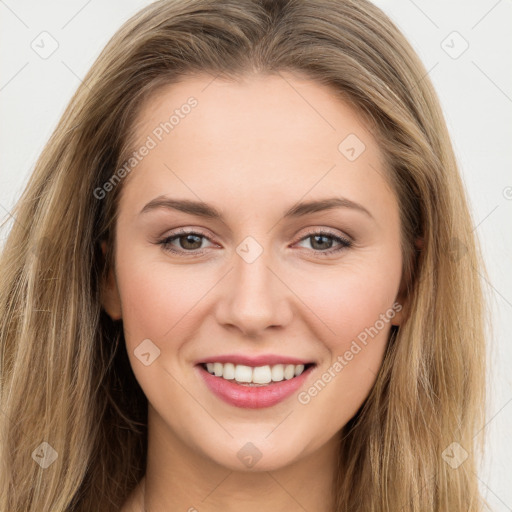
{"points": [[464, 46]]}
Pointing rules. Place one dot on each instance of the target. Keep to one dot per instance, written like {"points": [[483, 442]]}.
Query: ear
{"points": [[402, 301], [399, 307], [110, 298]]}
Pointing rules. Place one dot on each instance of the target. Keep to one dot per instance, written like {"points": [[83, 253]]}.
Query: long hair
{"points": [[73, 419]]}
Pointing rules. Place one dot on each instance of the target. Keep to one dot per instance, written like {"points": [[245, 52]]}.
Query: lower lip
{"points": [[253, 397]]}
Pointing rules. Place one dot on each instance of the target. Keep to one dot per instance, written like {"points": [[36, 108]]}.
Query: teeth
{"points": [[242, 373], [299, 369], [277, 372], [229, 371], [255, 375], [262, 375], [289, 371], [217, 369]]}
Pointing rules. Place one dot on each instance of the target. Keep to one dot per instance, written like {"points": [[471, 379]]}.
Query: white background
{"points": [[475, 90]]}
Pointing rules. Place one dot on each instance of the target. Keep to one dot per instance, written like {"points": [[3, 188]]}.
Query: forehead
{"points": [[261, 132], [258, 105]]}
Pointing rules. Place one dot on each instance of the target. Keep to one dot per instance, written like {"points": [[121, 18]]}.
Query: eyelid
{"points": [[344, 241], [315, 230], [189, 231]]}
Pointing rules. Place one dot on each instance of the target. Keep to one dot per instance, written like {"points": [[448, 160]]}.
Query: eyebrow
{"points": [[202, 209]]}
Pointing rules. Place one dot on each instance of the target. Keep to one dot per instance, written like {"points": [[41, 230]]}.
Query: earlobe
{"points": [[110, 298], [402, 301], [400, 308], [399, 314]]}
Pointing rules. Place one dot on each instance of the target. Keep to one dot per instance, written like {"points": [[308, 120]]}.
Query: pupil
{"points": [[315, 237], [190, 239]]}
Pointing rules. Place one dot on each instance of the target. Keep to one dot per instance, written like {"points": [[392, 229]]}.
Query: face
{"points": [[252, 277]]}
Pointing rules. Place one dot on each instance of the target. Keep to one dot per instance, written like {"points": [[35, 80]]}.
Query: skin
{"points": [[252, 149]]}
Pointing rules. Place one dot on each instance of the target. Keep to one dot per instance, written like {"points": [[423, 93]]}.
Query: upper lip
{"points": [[261, 360]]}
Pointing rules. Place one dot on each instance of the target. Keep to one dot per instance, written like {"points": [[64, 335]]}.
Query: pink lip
{"points": [[262, 360], [256, 397]]}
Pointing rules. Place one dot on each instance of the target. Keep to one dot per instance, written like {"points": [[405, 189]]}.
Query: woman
{"points": [[248, 369]]}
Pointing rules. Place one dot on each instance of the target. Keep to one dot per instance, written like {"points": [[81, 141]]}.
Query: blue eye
{"points": [[190, 242]]}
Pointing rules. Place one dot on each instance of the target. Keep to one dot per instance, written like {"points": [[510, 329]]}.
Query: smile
{"points": [[253, 387], [257, 376]]}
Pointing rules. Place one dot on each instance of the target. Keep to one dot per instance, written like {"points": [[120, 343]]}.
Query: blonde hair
{"points": [[65, 374]]}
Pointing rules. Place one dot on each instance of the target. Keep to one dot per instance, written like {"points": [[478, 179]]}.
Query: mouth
{"points": [[253, 387], [245, 375]]}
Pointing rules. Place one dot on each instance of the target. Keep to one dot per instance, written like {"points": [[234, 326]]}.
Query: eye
{"points": [[191, 242], [188, 241], [323, 241]]}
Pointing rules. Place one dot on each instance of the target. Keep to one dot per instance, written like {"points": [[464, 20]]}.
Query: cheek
{"points": [[359, 309], [352, 299], [165, 304], [155, 297], [158, 304]]}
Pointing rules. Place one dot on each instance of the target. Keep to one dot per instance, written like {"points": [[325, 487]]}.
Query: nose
{"points": [[254, 297]]}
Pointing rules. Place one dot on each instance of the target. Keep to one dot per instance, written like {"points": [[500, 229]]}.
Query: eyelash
{"points": [[166, 242]]}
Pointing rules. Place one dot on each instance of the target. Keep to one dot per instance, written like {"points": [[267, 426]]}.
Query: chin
{"points": [[243, 455]]}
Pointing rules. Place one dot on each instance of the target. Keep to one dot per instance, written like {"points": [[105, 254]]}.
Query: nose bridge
{"points": [[255, 298], [253, 286]]}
